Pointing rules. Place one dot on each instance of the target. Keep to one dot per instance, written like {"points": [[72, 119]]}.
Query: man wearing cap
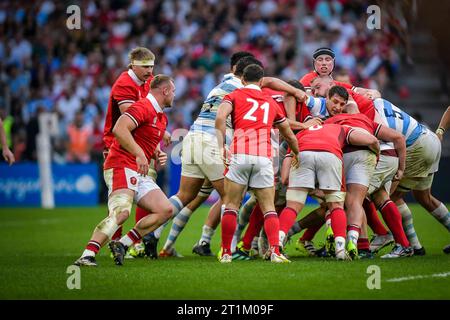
{"points": [[323, 64]]}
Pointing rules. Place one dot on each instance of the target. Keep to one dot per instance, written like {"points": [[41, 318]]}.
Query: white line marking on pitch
{"points": [[435, 275]]}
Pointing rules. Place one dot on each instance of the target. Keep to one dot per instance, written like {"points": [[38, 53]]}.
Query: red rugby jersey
{"points": [[151, 124], [253, 116]]}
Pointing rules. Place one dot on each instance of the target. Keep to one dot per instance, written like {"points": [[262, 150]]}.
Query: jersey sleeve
{"points": [[346, 132], [124, 94], [230, 98], [279, 114], [138, 112], [378, 126], [316, 106]]}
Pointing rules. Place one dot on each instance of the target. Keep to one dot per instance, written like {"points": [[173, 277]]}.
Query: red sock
{"points": [[373, 220], [393, 220], [255, 224], [310, 233], [134, 235], [140, 213], [272, 228], [363, 244], [118, 234], [229, 223], [287, 219], [93, 246], [338, 222]]}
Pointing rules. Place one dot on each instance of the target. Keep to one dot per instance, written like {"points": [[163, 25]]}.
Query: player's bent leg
{"points": [[437, 209], [119, 205], [338, 218], [355, 212], [181, 219], [232, 200], [295, 201], [203, 246]]}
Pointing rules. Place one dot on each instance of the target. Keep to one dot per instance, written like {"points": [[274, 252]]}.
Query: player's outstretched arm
{"points": [[280, 85], [390, 135], [444, 124], [122, 132], [7, 154]]}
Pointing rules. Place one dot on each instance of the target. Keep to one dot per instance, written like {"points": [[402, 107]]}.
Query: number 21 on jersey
{"points": [[265, 106]]}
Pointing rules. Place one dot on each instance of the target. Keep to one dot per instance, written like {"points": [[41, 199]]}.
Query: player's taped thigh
{"points": [[117, 203], [296, 195], [335, 196]]}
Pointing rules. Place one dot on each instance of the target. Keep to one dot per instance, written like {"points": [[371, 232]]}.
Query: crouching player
{"points": [[137, 133], [253, 115], [321, 163]]}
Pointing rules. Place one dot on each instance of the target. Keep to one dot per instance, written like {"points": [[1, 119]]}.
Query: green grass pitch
{"points": [[38, 245]]}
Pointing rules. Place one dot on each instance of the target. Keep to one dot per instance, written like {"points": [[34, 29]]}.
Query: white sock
{"points": [[442, 214], [207, 234], [281, 237], [126, 240], [88, 253], [339, 243], [408, 226], [353, 236], [177, 226]]}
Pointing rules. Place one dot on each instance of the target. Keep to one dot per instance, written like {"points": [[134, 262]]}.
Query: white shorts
{"points": [[359, 166], [422, 160], [201, 157], [321, 169], [254, 171], [385, 171], [125, 178]]}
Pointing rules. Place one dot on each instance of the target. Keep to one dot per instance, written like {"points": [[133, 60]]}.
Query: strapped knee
{"points": [[117, 204], [296, 195], [336, 196]]}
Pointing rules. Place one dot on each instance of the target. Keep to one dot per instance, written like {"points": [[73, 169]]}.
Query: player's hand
{"points": [[8, 156], [295, 161], [398, 175], [167, 138], [162, 158], [440, 137], [313, 122], [300, 95], [142, 165]]}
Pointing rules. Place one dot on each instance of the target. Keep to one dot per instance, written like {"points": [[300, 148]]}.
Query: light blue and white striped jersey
{"points": [[206, 119], [317, 107], [399, 120]]}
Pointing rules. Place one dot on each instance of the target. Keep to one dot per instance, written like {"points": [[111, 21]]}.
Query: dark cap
{"points": [[326, 51]]}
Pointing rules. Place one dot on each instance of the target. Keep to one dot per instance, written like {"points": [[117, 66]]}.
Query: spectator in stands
{"points": [[78, 145]]}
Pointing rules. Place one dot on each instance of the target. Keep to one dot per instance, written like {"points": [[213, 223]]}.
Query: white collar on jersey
{"points": [[253, 86], [135, 78], [155, 103]]}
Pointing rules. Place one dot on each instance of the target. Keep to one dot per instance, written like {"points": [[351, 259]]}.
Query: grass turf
{"points": [[38, 245]]}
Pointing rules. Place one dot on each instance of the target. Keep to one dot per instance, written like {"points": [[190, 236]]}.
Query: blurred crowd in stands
{"points": [[45, 67]]}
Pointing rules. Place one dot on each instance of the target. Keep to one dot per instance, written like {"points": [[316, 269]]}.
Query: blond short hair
{"points": [[159, 80], [140, 53]]}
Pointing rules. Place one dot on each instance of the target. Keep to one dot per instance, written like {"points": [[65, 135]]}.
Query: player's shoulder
{"points": [[124, 80], [307, 78]]}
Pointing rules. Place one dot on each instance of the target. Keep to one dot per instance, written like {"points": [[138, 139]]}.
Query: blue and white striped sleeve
{"points": [[317, 106]]}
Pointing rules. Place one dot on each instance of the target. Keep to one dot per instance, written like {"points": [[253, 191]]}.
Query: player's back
{"points": [[253, 116], [397, 119], [206, 119], [327, 137], [357, 120]]}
